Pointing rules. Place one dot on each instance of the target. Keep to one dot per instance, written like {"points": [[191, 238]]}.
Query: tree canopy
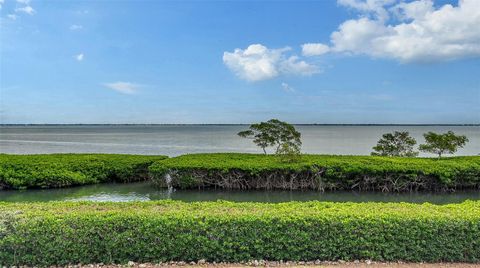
{"points": [[442, 143], [274, 133], [396, 144]]}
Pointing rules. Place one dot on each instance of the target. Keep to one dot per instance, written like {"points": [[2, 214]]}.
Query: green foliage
{"points": [[288, 152], [273, 133], [320, 172], [447, 143], [396, 144], [62, 170], [62, 233]]}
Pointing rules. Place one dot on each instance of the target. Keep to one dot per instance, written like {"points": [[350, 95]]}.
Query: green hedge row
{"points": [[69, 233], [320, 172], [61, 170], [243, 171]]}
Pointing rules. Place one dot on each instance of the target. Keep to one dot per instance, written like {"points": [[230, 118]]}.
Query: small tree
{"points": [[273, 133], [396, 144], [442, 143], [288, 152]]}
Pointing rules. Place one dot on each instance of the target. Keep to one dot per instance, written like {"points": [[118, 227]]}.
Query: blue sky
{"points": [[345, 61]]}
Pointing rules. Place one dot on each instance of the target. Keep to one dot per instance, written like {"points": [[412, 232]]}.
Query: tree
{"points": [[442, 143], [273, 133], [396, 144]]}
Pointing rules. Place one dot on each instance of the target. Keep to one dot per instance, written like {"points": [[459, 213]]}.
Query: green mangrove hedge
{"points": [[60, 233], [61, 170], [318, 172]]}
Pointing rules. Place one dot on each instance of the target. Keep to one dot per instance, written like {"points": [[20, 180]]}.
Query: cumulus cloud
{"points": [[258, 62], [123, 87], [79, 57], [12, 16], [1, 3], [26, 9], [75, 27], [293, 65], [414, 31], [314, 49]]}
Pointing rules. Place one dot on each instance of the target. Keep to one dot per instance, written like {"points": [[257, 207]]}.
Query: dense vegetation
{"points": [[61, 170], [319, 172], [67, 233]]}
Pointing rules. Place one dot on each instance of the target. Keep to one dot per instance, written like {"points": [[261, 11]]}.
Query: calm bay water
{"points": [[144, 191], [180, 139]]}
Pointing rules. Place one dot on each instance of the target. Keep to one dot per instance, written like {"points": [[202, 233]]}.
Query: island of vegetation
{"points": [[64, 170]]}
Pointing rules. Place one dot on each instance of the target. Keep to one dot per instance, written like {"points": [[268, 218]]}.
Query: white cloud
{"points": [[26, 9], [25, 2], [79, 57], [12, 16], [255, 63], [1, 3], [314, 49], [287, 88], [374, 7], [75, 27], [123, 87], [420, 32], [258, 62], [293, 65]]}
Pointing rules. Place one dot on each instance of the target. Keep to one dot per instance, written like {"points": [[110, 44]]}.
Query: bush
{"points": [[61, 170], [59, 233], [319, 172]]}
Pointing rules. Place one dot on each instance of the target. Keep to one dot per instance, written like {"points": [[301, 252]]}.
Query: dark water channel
{"points": [[144, 191]]}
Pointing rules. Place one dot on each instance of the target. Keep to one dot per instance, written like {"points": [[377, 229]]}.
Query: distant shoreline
{"points": [[313, 124]]}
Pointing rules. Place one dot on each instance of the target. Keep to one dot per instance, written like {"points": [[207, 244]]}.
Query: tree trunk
{"points": [[264, 151]]}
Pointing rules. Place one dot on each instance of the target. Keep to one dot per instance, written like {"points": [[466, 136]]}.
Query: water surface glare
{"points": [[145, 191]]}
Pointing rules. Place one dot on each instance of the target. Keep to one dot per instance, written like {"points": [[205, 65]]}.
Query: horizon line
{"points": [[235, 124]]}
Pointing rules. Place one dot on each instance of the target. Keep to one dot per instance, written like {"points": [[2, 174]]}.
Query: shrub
{"points": [[57, 233], [61, 170], [288, 152], [319, 172]]}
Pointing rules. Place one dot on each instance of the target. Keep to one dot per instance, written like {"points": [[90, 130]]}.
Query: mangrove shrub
{"points": [[62, 170], [318, 172]]}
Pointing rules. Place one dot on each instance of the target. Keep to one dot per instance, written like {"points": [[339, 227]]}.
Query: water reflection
{"points": [[144, 191]]}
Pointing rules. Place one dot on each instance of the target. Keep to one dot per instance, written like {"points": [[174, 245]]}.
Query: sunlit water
{"points": [[144, 191], [174, 140]]}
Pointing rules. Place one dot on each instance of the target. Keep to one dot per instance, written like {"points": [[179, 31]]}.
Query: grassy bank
{"points": [[319, 172], [60, 233], [62, 170]]}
